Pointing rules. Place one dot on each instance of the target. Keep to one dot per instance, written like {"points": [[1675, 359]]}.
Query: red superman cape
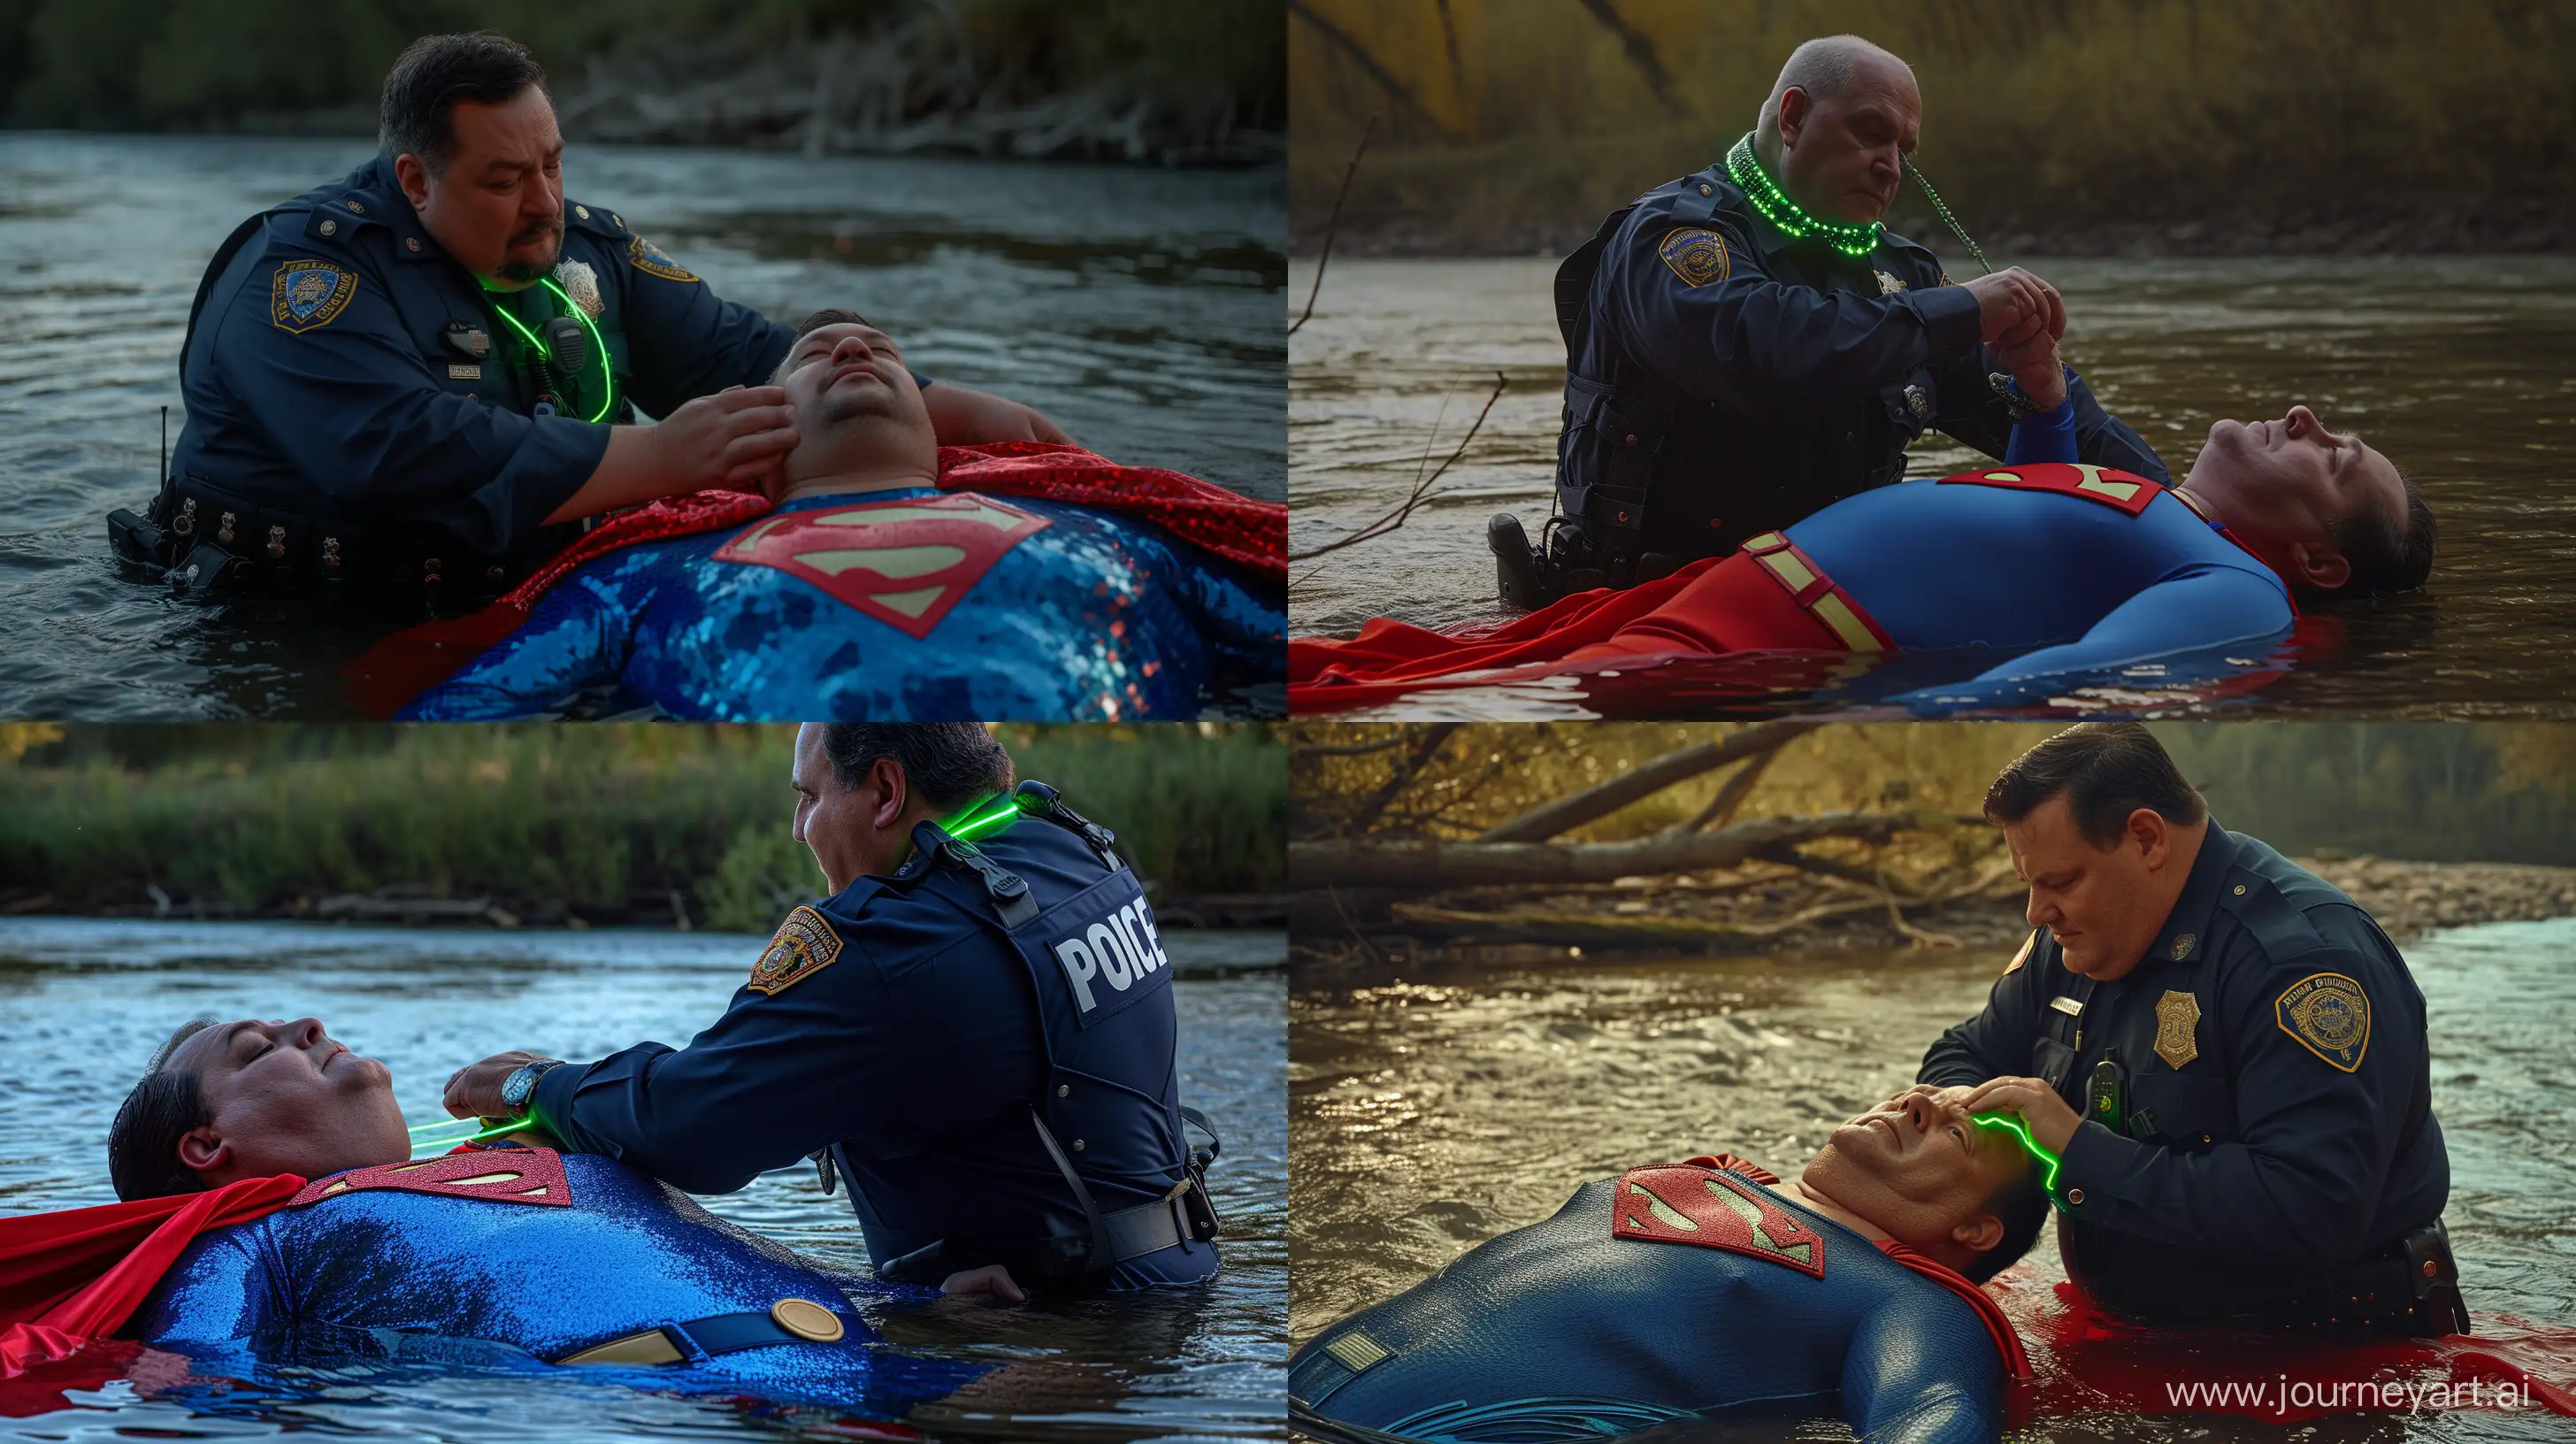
{"points": [[67, 1278], [1250, 534]]}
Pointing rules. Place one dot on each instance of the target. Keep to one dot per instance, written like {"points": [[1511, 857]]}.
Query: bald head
{"points": [[1837, 126]]}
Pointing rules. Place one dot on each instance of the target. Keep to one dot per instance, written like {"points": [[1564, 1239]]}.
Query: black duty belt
{"points": [[788, 1321], [209, 543]]}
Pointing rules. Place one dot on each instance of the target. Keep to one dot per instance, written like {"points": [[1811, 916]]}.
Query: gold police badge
{"points": [[2177, 1028], [804, 945], [2330, 1016], [1695, 254]]}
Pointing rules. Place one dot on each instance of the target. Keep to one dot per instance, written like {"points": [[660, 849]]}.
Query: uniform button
{"points": [[330, 228], [411, 243], [582, 211], [1062, 1089], [356, 209], [2074, 1195], [1629, 441], [615, 219], [2204, 1138], [1077, 1145], [2240, 889], [1703, 189]]}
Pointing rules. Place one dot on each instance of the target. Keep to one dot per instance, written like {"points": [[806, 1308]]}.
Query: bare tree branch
{"points": [[1333, 225], [1640, 48], [1350, 46], [1722, 808], [1351, 749], [1568, 813], [1427, 742], [1435, 865], [1422, 490]]}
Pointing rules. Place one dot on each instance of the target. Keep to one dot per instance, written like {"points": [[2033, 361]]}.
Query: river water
{"points": [[84, 1002], [1443, 1103], [2461, 369], [1140, 308]]}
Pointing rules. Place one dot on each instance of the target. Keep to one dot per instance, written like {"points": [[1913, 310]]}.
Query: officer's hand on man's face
{"points": [[474, 1091], [736, 438], [2051, 1122], [963, 416]]}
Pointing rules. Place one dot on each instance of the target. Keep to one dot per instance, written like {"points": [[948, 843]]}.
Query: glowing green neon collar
{"points": [[446, 1133], [983, 819], [1854, 239], [607, 374], [2018, 1129]]}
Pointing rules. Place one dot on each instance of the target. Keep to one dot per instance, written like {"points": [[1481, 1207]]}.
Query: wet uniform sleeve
{"points": [[683, 341], [778, 1077], [1922, 1370], [578, 638], [2317, 1143], [1750, 343], [1972, 413], [1996, 1043], [350, 402]]}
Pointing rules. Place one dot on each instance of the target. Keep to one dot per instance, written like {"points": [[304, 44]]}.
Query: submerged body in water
{"points": [[603, 1256]]}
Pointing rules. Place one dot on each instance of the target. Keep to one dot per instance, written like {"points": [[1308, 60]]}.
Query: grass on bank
{"points": [[1521, 114], [552, 818]]}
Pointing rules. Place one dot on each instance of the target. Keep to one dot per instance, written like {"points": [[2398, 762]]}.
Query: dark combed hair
{"points": [[949, 764], [417, 114], [2382, 557], [2022, 1206], [143, 1142], [2107, 771]]}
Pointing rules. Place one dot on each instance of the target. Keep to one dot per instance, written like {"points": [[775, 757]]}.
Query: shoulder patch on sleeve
{"points": [[2023, 956], [306, 294], [804, 945], [1696, 254], [652, 261], [2330, 1016]]}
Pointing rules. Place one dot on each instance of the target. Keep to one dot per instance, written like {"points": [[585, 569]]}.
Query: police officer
{"points": [[411, 379], [1746, 345], [2226, 1054], [975, 1032]]}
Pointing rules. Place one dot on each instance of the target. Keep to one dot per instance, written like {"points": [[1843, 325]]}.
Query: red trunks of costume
{"points": [[1768, 597]]}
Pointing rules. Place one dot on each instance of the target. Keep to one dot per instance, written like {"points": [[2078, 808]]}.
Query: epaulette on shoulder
{"points": [[2276, 921], [598, 221]]}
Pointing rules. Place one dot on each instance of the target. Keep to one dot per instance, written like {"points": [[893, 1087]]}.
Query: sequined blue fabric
{"points": [[1562, 1330], [1097, 617], [416, 1277]]}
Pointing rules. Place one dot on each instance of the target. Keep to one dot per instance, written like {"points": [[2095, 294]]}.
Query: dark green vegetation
{"points": [[2096, 125], [215, 63], [552, 823]]}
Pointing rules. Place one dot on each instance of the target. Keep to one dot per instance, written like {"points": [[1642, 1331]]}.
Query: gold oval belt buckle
{"points": [[807, 1320]]}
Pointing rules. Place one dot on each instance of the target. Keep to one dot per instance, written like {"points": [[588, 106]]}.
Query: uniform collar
{"points": [[375, 186], [2186, 930], [1811, 252]]}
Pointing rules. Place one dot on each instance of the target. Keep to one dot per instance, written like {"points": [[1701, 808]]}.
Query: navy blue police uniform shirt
{"points": [[2277, 1114], [321, 379], [1753, 377], [900, 1024]]}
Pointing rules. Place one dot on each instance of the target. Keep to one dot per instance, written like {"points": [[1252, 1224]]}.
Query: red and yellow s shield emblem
{"points": [[905, 563]]}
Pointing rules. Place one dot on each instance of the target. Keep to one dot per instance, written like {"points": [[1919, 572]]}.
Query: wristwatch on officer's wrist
{"points": [[521, 1086]]}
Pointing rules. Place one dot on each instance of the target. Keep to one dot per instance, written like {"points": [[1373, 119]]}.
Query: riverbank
{"points": [[1767, 908], [598, 825]]}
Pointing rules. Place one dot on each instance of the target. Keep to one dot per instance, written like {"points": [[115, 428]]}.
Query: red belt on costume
{"points": [[1817, 593]]}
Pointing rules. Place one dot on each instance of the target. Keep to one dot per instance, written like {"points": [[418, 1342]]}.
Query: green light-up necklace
{"points": [[1854, 239], [984, 818], [449, 1132], [2017, 1129], [608, 378]]}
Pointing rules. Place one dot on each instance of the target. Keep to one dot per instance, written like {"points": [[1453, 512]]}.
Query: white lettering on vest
{"points": [[1154, 940], [1125, 922], [1114, 962], [1080, 967]]}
